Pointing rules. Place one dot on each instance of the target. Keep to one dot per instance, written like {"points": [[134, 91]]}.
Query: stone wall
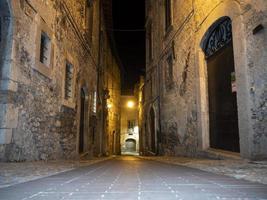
{"points": [[183, 107], [43, 124], [112, 82]]}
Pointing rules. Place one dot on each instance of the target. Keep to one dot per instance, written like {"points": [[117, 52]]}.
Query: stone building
{"points": [[206, 77], [110, 70], [129, 125], [139, 94], [49, 70]]}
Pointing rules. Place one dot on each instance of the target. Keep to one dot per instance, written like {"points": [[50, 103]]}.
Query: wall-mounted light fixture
{"points": [[130, 104]]}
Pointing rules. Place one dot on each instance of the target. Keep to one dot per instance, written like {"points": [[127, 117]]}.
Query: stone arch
{"points": [[130, 144], [217, 46], [220, 32], [232, 10]]}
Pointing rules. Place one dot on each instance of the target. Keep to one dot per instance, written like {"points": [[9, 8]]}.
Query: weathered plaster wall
{"points": [[184, 105], [44, 125]]}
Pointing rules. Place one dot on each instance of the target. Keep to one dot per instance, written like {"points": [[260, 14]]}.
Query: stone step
{"points": [[218, 154]]}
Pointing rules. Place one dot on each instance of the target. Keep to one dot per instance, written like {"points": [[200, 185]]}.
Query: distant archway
{"points": [[223, 115], [130, 145]]}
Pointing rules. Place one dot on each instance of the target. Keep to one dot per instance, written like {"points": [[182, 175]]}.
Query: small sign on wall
{"points": [[233, 82]]}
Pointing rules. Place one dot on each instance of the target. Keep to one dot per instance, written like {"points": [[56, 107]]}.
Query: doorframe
{"points": [[155, 130], [239, 44], [86, 120]]}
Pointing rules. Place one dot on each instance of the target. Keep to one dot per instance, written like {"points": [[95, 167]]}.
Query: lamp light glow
{"points": [[130, 104]]}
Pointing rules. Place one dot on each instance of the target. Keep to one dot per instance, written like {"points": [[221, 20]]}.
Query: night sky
{"points": [[130, 15]]}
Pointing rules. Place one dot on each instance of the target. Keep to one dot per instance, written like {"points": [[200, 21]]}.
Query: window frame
{"points": [[88, 23], [44, 69], [70, 102], [168, 16]]}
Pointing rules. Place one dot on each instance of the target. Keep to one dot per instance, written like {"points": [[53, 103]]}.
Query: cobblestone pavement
{"points": [[255, 171], [134, 178], [14, 173]]}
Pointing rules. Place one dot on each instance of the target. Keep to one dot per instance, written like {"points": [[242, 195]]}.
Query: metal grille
{"points": [[218, 37], [45, 49], [68, 80]]}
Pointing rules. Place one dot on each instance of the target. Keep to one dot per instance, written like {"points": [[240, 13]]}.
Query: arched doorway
{"points": [[130, 145], [223, 115], [82, 120], [152, 131]]}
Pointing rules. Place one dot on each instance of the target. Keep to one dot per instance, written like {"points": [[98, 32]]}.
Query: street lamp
{"points": [[109, 105], [130, 104]]}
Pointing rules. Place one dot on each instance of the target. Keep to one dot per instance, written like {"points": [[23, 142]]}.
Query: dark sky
{"points": [[130, 15]]}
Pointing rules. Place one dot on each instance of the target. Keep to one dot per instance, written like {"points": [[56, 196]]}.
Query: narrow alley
{"points": [[133, 99], [133, 178]]}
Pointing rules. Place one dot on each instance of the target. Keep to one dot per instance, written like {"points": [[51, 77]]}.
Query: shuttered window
{"points": [[68, 80]]}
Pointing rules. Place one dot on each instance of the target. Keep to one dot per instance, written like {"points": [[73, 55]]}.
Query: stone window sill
{"points": [[68, 103]]}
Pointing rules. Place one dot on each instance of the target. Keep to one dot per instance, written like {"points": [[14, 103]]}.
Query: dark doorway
{"points": [[130, 145], [152, 130], [82, 117], [223, 115]]}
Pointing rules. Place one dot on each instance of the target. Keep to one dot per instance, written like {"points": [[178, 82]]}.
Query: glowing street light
{"points": [[109, 105], [130, 104]]}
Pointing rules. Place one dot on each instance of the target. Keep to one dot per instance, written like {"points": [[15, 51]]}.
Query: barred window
{"points": [[68, 80], [45, 49]]}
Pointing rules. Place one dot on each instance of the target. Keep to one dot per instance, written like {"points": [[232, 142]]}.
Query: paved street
{"points": [[133, 178]]}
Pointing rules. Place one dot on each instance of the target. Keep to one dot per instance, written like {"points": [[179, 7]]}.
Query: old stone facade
{"points": [[112, 86], [49, 79], [129, 125], [184, 40]]}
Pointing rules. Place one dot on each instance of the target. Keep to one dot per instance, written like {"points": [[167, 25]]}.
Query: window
{"points": [[88, 20], [94, 102], [131, 124], [45, 49], [149, 38], [169, 71], [68, 81], [167, 14]]}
